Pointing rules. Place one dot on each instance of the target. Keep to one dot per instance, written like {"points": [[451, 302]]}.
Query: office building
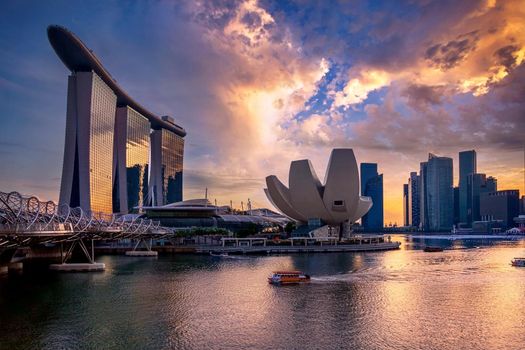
{"points": [[500, 205], [423, 203], [456, 205], [108, 152], [476, 185], [467, 166], [439, 193], [406, 200], [413, 199], [372, 186]]}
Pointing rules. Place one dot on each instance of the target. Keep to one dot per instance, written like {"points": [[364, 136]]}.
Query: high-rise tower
{"points": [[423, 202], [477, 184], [87, 172], [372, 186], [166, 171], [131, 161], [109, 155], [413, 199], [406, 200], [439, 193], [467, 166]]}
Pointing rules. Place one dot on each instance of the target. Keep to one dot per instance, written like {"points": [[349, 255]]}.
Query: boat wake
{"points": [[227, 256], [334, 278]]}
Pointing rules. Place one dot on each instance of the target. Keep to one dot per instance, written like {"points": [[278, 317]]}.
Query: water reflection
{"points": [[464, 297]]}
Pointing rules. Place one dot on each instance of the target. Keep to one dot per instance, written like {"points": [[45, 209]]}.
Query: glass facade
{"points": [[102, 123], [137, 158], [440, 193], [372, 186], [406, 219], [423, 190], [467, 166], [477, 184], [413, 199], [172, 150]]}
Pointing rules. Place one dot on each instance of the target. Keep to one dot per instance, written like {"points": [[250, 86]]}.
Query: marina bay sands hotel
{"points": [[118, 155]]}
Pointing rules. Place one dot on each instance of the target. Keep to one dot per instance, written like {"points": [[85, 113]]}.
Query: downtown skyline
{"points": [[258, 84]]}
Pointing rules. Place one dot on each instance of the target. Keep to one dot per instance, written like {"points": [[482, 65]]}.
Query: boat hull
{"points": [[288, 281]]}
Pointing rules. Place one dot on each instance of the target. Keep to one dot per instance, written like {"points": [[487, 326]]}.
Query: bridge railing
{"points": [[22, 216]]}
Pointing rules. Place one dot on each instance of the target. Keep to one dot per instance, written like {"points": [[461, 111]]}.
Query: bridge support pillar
{"points": [[15, 267], [148, 252], [91, 265], [4, 270]]}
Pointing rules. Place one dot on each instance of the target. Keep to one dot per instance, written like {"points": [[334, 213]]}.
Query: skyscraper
{"points": [[440, 193], [500, 205], [467, 166], [132, 152], [456, 205], [87, 172], [491, 184], [423, 202], [108, 152], [413, 199], [477, 184], [166, 171], [372, 186], [406, 200]]}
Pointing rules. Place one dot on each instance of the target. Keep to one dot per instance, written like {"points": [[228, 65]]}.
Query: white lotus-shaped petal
{"points": [[306, 191], [364, 205], [335, 202], [280, 198]]}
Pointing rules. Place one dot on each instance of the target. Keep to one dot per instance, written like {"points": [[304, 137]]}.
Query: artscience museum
{"points": [[311, 202]]}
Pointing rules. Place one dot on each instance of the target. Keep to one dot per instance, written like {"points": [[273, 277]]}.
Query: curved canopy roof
{"points": [[78, 58]]}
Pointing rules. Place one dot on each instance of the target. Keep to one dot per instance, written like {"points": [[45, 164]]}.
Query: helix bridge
{"points": [[26, 221]]}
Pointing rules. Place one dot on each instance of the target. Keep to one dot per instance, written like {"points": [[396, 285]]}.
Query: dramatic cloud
{"points": [[260, 83], [449, 55]]}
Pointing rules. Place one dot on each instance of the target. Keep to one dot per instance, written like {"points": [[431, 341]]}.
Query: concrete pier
{"points": [[16, 267], [78, 267], [147, 253]]}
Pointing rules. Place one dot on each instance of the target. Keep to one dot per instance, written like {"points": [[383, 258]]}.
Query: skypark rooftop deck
{"points": [[77, 57]]}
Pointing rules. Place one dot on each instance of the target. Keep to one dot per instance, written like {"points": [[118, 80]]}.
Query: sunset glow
{"points": [[260, 83]]}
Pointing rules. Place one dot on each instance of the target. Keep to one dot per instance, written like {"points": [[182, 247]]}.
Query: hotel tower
{"points": [[118, 155]]}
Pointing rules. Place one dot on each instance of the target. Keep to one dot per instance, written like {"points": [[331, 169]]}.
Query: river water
{"points": [[467, 297]]}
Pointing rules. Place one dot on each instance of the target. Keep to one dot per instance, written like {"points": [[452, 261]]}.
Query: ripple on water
{"points": [[406, 299]]}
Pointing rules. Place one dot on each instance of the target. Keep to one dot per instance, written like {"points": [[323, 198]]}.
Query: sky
{"points": [[257, 84]]}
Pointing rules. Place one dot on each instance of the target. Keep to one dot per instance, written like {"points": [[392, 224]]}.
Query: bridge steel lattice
{"points": [[27, 221]]}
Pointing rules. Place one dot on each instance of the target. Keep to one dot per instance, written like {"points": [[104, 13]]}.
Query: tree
{"points": [[290, 226]]}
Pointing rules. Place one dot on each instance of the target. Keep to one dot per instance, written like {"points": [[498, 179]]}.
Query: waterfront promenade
{"points": [[260, 245]]}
